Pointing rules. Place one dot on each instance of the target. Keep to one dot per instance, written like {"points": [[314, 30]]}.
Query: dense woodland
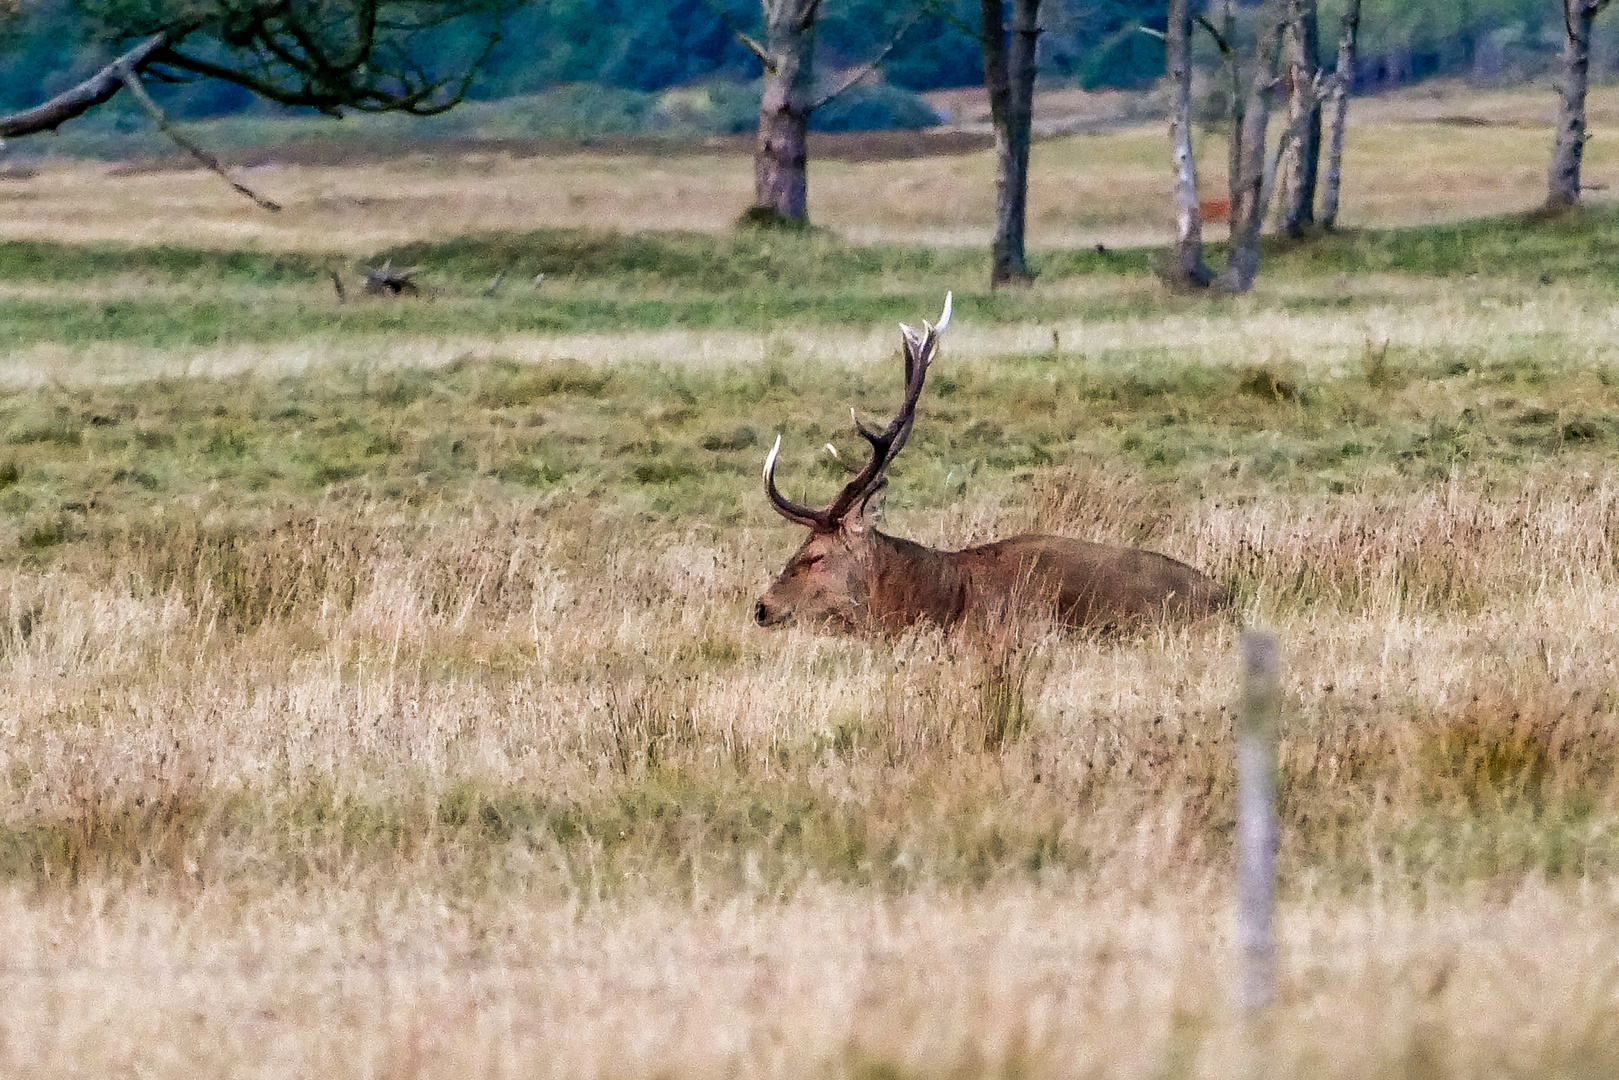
{"points": [[652, 45]]}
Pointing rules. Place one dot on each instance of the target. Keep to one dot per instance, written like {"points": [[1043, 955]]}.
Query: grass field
{"points": [[382, 698]]}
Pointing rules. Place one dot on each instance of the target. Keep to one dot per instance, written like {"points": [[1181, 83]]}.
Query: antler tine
{"points": [[802, 515], [885, 445]]}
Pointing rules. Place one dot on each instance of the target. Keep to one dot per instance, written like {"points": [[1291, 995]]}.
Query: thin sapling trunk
{"points": [[1343, 78], [1188, 270], [1248, 159], [1304, 115]]}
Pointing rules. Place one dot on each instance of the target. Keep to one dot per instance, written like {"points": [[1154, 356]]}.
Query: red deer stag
{"points": [[850, 576]]}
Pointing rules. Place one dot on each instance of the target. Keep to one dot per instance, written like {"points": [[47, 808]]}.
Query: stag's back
{"points": [[1090, 585]]}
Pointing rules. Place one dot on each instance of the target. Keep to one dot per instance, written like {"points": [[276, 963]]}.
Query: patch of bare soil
{"points": [[855, 146]]}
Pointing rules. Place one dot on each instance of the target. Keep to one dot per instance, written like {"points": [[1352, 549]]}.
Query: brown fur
{"points": [[855, 578]]}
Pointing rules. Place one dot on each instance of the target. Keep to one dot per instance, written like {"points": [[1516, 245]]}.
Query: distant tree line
{"points": [[656, 44]]}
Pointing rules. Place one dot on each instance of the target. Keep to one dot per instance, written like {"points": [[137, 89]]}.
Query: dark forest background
{"points": [[601, 65]]}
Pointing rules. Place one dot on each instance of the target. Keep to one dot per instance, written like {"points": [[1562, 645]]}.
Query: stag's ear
{"points": [[869, 511]]}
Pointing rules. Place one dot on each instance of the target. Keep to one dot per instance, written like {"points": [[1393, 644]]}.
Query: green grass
{"points": [[687, 442], [609, 282], [1579, 247]]}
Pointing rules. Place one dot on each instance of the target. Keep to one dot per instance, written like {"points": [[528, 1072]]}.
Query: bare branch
{"points": [[132, 80], [867, 68], [278, 59], [79, 100], [1219, 40], [759, 52]]}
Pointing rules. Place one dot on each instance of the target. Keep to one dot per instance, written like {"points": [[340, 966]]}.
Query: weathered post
{"points": [[1256, 818]]}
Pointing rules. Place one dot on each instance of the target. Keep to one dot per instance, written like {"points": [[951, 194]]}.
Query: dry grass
{"points": [[505, 785], [528, 795], [1409, 161], [1069, 981]]}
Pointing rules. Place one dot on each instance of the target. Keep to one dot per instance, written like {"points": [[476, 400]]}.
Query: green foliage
{"points": [[1126, 58], [873, 108], [577, 110]]}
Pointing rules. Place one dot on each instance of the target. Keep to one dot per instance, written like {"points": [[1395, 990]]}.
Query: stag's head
{"points": [[830, 579]]}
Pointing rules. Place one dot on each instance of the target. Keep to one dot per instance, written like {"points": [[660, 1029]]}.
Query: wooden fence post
{"points": [[1256, 818]]}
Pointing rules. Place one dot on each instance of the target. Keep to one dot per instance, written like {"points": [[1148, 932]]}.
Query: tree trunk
{"points": [[1563, 180], [781, 155], [1228, 53], [1188, 270], [1248, 158], [1304, 114], [1009, 69], [1342, 79]]}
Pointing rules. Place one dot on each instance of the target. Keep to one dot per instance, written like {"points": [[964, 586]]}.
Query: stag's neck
{"points": [[911, 581]]}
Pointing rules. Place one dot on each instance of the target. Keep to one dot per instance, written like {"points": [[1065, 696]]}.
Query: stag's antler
{"points": [[885, 445]]}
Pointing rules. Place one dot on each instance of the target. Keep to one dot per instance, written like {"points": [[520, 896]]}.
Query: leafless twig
{"points": [[131, 79]]}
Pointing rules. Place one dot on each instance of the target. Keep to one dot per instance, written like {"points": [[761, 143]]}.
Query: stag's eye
{"points": [[812, 561]]}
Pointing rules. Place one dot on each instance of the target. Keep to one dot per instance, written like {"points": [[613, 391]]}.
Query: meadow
{"points": [[382, 696]]}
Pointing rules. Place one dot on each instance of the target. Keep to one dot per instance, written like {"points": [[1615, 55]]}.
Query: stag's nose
{"points": [[761, 614]]}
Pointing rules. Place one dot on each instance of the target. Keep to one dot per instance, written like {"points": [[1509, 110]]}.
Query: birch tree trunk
{"points": [[1188, 270], [1009, 69], [1233, 70], [781, 154], [1248, 157], [1563, 180], [1304, 114], [1343, 77]]}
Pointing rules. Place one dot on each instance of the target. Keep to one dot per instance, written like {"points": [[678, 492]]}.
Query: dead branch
{"points": [[1219, 40], [160, 120], [80, 99], [871, 65], [759, 52], [385, 280]]}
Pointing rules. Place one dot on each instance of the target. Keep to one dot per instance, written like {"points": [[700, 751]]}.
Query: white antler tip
{"points": [[770, 460], [944, 320], [833, 451]]}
